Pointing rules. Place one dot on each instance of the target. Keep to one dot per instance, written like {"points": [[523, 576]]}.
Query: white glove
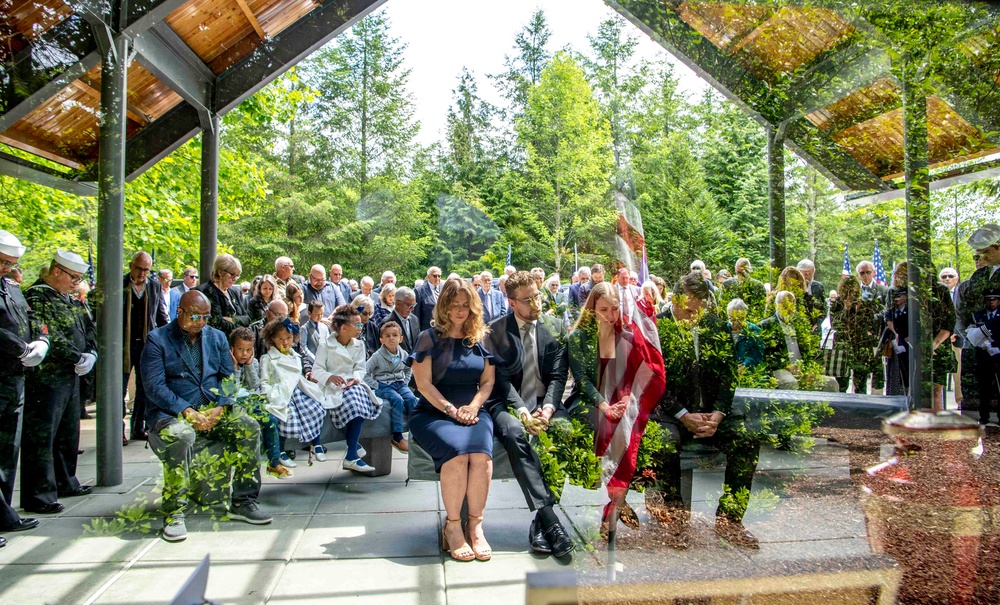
{"points": [[977, 337], [993, 351], [34, 353], [86, 363], [900, 349]]}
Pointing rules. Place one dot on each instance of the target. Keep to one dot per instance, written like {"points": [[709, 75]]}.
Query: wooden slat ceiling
{"points": [[64, 128], [773, 43]]}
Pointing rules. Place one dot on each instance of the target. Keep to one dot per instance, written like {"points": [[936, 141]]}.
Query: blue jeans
{"points": [[401, 402], [270, 439]]}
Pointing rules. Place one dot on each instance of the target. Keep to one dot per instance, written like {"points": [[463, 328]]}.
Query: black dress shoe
{"points": [[559, 539], [138, 436], [536, 537], [83, 490], [22, 525], [46, 509]]}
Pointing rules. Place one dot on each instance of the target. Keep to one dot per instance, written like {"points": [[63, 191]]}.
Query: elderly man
{"points": [[319, 289], [628, 295], [367, 286], [972, 301], [494, 303], [341, 284], [427, 298], [403, 314], [52, 401], [23, 344], [871, 289], [950, 278], [283, 267], [184, 365], [530, 380], [164, 277], [190, 277], [539, 274], [509, 270], [143, 313], [388, 277], [578, 291], [814, 299]]}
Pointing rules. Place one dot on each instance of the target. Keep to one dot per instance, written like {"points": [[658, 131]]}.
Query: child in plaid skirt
{"points": [[293, 402]]}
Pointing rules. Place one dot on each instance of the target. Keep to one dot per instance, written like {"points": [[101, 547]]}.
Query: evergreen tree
{"points": [[524, 69]]}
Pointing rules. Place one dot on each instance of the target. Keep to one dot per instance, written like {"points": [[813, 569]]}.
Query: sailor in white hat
{"points": [[23, 344], [51, 431]]}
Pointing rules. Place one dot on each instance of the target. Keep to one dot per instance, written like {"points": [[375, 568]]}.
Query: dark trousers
{"points": [[11, 403], [986, 379], [51, 438], [523, 459], [741, 463], [175, 443], [138, 420]]}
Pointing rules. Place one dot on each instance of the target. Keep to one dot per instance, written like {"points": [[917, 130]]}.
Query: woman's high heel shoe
{"points": [[481, 555], [463, 552]]}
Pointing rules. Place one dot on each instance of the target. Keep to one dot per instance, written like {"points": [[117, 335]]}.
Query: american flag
{"points": [[879, 270], [847, 263]]}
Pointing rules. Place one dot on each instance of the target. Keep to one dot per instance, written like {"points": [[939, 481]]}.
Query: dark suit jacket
{"points": [[704, 385], [577, 297], [345, 292], [425, 307], [815, 300], [553, 367], [232, 307], [414, 328], [171, 384], [156, 314]]}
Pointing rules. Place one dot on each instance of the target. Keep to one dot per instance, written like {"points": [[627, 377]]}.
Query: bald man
{"points": [[184, 364]]}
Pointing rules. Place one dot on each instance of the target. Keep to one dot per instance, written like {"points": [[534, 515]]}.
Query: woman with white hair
{"points": [[746, 335]]}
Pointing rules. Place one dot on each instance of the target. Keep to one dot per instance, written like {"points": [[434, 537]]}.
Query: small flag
{"points": [[847, 263], [90, 265], [643, 268], [509, 256], [576, 259], [879, 270]]}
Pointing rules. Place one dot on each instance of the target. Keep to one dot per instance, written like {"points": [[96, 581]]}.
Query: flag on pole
{"points": [[847, 263], [90, 265], [576, 259], [879, 270], [509, 256]]}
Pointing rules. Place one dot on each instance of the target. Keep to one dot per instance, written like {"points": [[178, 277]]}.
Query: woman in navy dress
{"points": [[454, 374]]}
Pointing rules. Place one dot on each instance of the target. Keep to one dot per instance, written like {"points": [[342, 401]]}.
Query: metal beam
{"points": [[19, 168], [143, 15], [963, 178], [162, 52]]}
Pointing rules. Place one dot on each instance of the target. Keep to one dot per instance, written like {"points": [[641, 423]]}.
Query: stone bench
{"points": [[376, 438]]}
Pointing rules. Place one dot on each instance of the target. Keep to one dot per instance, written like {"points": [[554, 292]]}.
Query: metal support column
{"points": [[110, 245], [209, 196], [918, 237], [776, 193]]}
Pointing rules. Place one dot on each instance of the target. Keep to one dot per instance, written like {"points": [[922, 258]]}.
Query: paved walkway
{"points": [[337, 537]]}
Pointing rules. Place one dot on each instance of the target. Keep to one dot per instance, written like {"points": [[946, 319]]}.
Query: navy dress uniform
{"points": [[23, 344], [52, 413]]}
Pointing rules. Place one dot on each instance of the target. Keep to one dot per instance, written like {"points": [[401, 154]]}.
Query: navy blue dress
{"points": [[455, 371]]}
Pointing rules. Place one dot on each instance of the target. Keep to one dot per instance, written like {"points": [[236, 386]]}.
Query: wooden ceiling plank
{"points": [[40, 148], [252, 19], [130, 110]]}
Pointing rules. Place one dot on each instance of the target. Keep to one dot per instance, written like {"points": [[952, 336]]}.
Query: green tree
{"points": [[524, 68], [569, 161]]}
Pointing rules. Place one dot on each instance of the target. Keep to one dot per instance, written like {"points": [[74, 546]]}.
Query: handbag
{"points": [[887, 343], [834, 363]]}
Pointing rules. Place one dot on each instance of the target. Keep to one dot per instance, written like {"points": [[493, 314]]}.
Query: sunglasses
{"points": [[198, 316]]}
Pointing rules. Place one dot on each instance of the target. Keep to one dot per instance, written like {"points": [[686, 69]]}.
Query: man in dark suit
{"points": [[578, 291], [184, 364], [531, 382], [427, 298], [343, 287], [814, 299], [871, 289], [697, 405], [403, 314], [494, 302], [144, 312]]}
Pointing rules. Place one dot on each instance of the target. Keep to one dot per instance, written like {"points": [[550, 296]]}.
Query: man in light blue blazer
{"points": [[184, 364], [494, 302]]}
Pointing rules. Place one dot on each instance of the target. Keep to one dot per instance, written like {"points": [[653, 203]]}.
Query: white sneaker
{"points": [[319, 452], [286, 461], [358, 466]]}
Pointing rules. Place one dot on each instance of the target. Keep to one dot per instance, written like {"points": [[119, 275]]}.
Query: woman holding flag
{"points": [[619, 379]]}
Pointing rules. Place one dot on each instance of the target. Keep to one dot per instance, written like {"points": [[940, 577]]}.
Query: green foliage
{"points": [[566, 451]]}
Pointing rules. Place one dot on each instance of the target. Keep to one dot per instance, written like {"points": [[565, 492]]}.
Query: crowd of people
{"points": [[457, 364]]}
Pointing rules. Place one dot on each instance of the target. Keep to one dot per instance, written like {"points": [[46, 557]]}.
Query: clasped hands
{"points": [[614, 411], [204, 421], [339, 381], [536, 422], [466, 414], [702, 425]]}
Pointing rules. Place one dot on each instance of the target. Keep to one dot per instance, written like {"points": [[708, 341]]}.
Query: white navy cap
{"points": [[985, 236], [10, 245], [71, 261]]}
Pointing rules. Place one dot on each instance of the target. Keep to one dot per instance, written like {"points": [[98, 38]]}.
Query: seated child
{"points": [[246, 369], [292, 400], [388, 376]]}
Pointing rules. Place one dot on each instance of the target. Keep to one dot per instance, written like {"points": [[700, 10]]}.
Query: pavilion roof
{"points": [[828, 76], [193, 58]]}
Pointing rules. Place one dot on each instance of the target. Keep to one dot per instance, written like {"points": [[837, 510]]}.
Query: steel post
{"points": [[110, 252], [776, 194], [209, 196]]}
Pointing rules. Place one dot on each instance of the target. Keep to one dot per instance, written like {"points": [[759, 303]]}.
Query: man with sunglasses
{"points": [[23, 344], [143, 313], [52, 402]]}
